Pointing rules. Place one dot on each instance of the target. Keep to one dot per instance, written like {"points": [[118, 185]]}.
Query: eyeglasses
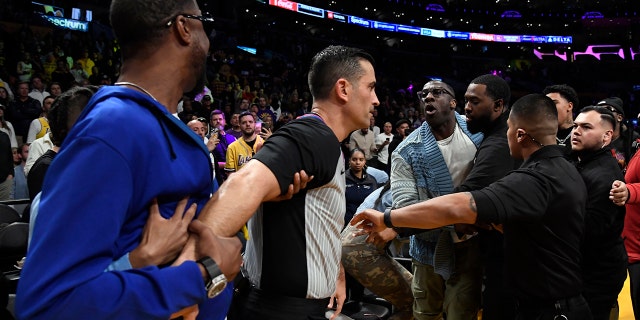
{"points": [[435, 92], [203, 18]]}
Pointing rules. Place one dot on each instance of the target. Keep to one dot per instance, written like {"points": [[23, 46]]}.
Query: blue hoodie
{"points": [[124, 150]]}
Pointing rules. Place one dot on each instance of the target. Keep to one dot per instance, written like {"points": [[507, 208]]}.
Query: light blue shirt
{"points": [[380, 176]]}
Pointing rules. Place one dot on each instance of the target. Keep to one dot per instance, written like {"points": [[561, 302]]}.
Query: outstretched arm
{"points": [[430, 214]]}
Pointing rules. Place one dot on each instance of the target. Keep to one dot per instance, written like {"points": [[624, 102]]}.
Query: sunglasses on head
{"points": [[206, 19]]}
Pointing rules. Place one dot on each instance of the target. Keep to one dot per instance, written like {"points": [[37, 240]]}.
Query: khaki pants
{"points": [[458, 297]]}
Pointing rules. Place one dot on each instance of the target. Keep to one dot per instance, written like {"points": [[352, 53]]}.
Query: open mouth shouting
{"points": [[430, 109]]}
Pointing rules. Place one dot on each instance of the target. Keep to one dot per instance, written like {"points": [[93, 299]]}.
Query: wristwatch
{"points": [[217, 281]]}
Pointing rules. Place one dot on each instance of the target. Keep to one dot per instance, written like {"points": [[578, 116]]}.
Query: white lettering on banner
{"points": [[481, 36], [360, 21], [68, 23], [284, 4]]}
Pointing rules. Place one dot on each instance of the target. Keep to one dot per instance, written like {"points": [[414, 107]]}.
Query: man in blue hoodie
{"points": [[127, 149]]}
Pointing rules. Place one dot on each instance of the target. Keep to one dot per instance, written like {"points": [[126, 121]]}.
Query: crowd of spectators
{"points": [[38, 64], [63, 58], [271, 83]]}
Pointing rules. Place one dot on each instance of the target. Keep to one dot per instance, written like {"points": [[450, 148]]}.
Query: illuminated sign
{"points": [[547, 39], [511, 14], [384, 26], [248, 49], [596, 51], [47, 9], [408, 29], [392, 27], [541, 54], [284, 4], [457, 35], [68, 23], [590, 52], [506, 38], [434, 7], [337, 16], [432, 33], [558, 39], [592, 15], [359, 21], [312, 11], [480, 36]]}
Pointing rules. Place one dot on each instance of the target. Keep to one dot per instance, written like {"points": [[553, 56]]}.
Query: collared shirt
{"points": [[295, 244], [542, 207], [39, 95]]}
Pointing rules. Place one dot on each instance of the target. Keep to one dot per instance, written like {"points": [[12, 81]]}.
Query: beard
{"points": [[478, 124], [199, 64], [248, 133]]}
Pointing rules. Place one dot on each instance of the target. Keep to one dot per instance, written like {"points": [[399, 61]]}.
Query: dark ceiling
{"points": [[620, 18]]}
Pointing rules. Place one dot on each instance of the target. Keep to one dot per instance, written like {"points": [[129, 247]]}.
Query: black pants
{"points": [[574, 308], [268, 306], [497, 302], [602, 287]]}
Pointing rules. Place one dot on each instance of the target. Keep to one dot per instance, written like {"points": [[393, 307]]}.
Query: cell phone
{"points": [[259, 126], [387, 139]]}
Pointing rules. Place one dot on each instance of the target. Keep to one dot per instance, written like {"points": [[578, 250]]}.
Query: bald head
{"points": [[198, 127]]}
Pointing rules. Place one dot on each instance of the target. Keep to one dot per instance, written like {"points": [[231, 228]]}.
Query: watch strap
{"points": [[210, 266], [387, 218]]}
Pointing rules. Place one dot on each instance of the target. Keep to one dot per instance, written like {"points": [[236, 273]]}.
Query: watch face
{"points": [[216, 286]]}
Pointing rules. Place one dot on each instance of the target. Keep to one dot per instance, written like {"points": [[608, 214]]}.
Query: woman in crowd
{"points": [[4, 96], [7, 127], [359, 183]]}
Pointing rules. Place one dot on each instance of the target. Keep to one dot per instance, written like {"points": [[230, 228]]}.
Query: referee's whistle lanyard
{"points": [[559, 314]]}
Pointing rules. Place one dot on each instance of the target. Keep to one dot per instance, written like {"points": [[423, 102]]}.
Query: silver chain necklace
{"points": [[126, 83], [563, 141]]}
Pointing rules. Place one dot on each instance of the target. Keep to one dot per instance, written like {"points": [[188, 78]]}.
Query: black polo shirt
{"points": [[542, 207]]}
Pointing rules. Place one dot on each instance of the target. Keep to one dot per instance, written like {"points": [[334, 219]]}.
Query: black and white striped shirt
{"points": [[294, 247]]}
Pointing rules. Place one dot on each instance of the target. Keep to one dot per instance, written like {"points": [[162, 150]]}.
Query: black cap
{"points": [[615, 102]]}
